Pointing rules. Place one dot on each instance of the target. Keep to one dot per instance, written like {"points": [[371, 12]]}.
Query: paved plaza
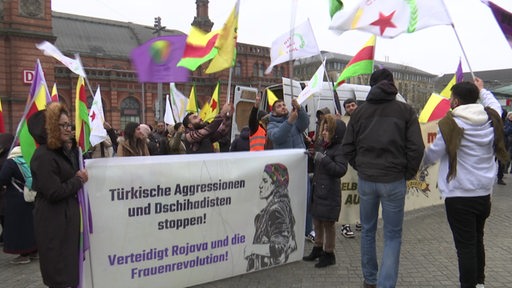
{"points": [[428, 256]]}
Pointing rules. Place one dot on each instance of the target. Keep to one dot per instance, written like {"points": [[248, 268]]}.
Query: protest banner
{"points": [[182, 220]]}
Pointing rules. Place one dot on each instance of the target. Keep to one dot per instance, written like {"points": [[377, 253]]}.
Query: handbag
{"points": [[28, 194]]}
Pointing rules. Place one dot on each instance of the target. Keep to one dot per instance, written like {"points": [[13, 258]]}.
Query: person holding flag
{"points": [[57, 180]]}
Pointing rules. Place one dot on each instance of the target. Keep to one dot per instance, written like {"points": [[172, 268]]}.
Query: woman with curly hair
{"points": [[133, 142], [57, 180], [330, 166]]}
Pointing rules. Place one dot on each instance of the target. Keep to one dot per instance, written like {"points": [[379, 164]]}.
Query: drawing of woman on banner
{"points": [[274, 236]]}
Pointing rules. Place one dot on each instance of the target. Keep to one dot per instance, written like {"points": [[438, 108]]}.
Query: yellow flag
{"points": [[211, 108], [226, 43], [271, 97], [447, 91], [192, 101]]}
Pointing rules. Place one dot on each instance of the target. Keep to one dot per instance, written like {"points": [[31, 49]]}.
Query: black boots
{"points": [[326, 259], [315, 254]]}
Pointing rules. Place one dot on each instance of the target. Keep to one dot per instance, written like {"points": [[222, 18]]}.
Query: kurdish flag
{"points": [[199, 48], [192, 106], [360, 64], [388, 18], [226, 43], [82, 126], [38, 97], [2, 125], [211, 108]]}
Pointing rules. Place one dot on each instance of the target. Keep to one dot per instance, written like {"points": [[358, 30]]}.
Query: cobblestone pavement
{"points": [[428, 256]]}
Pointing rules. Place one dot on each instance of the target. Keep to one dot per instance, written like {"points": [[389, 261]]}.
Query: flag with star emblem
{"points": [[389, 18], [96, 119], [211, 109]]}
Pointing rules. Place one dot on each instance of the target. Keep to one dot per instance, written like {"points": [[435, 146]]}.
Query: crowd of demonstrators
{"points": [[200, 136], [6, 140], [175, 139], [469, 139], [258, 121], [329, 167], [133, 142], [18, 225], [57, 180], [286, 130], [383, 143]]}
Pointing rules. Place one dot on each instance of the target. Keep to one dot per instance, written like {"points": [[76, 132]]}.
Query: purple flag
{"points": [[155, 60], [504, 19], [459, 76]]}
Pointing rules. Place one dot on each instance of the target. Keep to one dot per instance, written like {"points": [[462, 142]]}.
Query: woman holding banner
{"points": [[274, 238], [57, 180]]}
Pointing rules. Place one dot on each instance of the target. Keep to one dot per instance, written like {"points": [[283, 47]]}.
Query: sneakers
{"points": [[480, 286], [346, 231], [311, 237], [366, 285], [21, 260], [359, 226], [501, 182]]}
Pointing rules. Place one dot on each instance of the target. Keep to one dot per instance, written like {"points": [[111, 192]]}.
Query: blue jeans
{"points": [[392, 198]]}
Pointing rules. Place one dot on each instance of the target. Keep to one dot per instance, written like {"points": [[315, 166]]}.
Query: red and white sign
{"points": [[28, 76]]}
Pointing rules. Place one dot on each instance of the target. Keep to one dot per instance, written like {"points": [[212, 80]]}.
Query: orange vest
{"points": [[257, 140]]}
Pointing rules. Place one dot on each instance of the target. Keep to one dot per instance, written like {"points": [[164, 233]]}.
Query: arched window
{"points": [[130, 111], [238, 69], [261, 72], [255, 69]]}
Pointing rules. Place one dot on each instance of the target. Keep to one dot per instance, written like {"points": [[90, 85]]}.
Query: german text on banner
{"points": [[155, 60], [182, 220]]}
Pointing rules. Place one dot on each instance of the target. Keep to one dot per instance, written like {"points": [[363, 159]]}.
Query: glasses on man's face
{"points": [[65, 126]]}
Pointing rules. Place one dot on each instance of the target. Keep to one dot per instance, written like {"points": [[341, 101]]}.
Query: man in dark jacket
{"points": [[388, 153]]}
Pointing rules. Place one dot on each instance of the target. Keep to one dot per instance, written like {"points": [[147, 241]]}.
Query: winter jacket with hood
{"points": [[476, 165], [383, 140], [326, 198], [56, 213]]}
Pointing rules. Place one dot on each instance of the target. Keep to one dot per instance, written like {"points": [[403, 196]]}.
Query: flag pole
{"points": [[229, 84], [463, 51], [292, 32]]}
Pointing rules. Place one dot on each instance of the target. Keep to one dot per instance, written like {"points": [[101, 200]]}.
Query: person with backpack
{"points": [[18, 226]]}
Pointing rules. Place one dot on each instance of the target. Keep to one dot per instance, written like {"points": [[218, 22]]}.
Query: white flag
{"points": [[179, 103], [73, 64], [301, 44], [168, 118], [389, 18], [314, 85], [96, 119]]}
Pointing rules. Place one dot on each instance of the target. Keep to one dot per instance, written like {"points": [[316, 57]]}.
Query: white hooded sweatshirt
{"points": [[476, 164]]}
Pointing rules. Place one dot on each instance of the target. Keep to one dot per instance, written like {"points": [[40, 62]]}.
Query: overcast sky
{"points": [[434, 50]]}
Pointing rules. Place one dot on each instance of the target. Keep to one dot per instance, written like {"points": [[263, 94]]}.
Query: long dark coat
{"points": [[56, 215], [326, 198], [18, 223]]}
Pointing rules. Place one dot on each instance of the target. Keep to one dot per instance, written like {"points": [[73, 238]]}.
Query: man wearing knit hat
{"points": [[384, 145]]}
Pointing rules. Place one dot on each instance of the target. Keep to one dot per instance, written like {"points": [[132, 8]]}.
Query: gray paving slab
{"points": [[428, 256]]}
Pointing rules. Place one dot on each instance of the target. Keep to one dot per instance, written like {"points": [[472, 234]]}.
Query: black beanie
{"points": [[381, 75]]}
